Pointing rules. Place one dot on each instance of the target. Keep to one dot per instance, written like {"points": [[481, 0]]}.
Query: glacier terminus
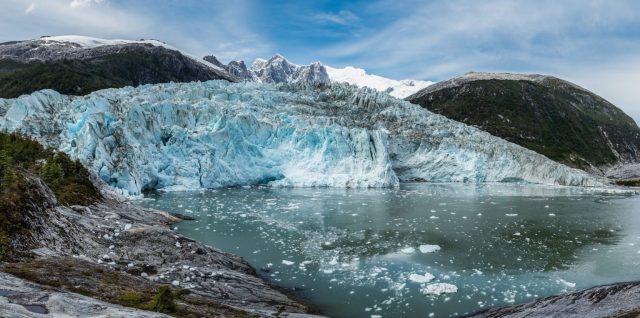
{"points": [[217, 134]]}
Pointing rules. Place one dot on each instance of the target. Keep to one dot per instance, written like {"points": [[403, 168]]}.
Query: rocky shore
{"points": [[615, 300], [115, 259]]}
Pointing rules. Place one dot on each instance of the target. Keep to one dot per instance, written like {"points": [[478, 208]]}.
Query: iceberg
{"points": [[213, 134]]}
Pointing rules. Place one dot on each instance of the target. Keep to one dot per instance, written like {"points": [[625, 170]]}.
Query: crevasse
{"points": [[216, 134]]}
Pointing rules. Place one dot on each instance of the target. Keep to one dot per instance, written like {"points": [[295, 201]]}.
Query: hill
{"points": [[551, 116]]}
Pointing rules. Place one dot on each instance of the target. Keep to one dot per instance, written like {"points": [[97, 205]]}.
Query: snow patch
{"points": [[88, 42], [360, 78]]}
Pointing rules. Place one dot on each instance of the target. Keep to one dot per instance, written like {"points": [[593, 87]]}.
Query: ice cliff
{"points": [[216, 134]]}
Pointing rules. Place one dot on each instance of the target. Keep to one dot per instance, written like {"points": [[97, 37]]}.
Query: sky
{"points": [[593, 43]]}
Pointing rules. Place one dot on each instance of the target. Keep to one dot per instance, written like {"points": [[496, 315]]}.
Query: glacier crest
{"points": [[216, 134]]}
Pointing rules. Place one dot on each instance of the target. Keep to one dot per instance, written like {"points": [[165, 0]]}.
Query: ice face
{"points": [[217, 134]]}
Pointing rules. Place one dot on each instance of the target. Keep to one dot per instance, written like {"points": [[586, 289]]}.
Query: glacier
{"points": [[217, 134]]}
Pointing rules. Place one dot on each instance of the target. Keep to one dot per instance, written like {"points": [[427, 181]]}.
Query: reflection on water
{"points": [[357, 253]]}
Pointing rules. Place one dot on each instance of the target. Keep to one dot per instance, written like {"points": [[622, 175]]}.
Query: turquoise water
{"points": [[356, 253]]}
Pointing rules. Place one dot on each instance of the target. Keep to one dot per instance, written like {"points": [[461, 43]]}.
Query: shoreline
{"points": [[116, 239], [117, 252]]}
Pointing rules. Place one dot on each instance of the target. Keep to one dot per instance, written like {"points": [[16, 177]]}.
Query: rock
{"points": [[59, 233], [21, 299], [616, 300]]}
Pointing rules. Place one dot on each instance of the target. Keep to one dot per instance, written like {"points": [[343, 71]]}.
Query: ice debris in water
{"points": [[288, 263], [439, 289], [566, 283], [429, 248], [417, 278], [178, 136], [408, 250]]}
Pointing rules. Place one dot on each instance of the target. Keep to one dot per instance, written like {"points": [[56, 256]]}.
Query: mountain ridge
{"points": [[554, 117], [278, 69], [80, 65]]}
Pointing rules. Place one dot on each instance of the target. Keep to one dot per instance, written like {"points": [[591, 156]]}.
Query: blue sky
{"points": [[591, 42]]}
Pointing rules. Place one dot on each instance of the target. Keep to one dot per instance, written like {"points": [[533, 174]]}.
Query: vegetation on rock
{"points": [[23, 159], [131, 67], [552, 117]]}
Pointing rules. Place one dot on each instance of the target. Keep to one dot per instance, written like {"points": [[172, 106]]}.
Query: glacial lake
{"points": [[370, 252]]}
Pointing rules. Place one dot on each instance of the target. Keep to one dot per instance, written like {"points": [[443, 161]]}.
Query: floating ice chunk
{"points": [[288, 263], [566, 283], [421, 279], [408, 250], [127, 226], [552, 214], [439, 289], [511, 214], [429, 248]]}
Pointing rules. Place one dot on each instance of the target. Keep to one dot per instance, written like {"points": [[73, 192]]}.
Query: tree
{"points": [[52, 173], [7, 176], [163, 301]]}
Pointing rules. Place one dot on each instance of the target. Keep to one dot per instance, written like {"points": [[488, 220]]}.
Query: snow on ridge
{"points": [[278, 69], [87, 42], [360, 78]]}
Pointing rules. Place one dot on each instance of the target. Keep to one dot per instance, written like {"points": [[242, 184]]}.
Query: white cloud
{"points": [[84, 3], [225, 32], [577, 40], [30, 8], [343, 17], [616, 82], [54, 17]]}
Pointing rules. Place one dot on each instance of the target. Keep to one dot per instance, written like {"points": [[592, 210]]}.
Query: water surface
{"points": [[356, 253]]}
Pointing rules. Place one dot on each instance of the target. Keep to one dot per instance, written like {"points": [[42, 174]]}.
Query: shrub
{"points": [[163, 301]]}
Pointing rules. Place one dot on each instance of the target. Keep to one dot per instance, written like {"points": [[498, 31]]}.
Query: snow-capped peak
{"points": [[278, 69], [360, 78]]}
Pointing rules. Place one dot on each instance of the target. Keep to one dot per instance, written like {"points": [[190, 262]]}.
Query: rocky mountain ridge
{"points": [[551, 116], [80, 65], [279, 70]]}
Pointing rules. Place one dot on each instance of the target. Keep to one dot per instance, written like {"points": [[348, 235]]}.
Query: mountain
{"points": [[360, 78], [216, 134], [79, 65], [279, 70], [551, 116]]}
